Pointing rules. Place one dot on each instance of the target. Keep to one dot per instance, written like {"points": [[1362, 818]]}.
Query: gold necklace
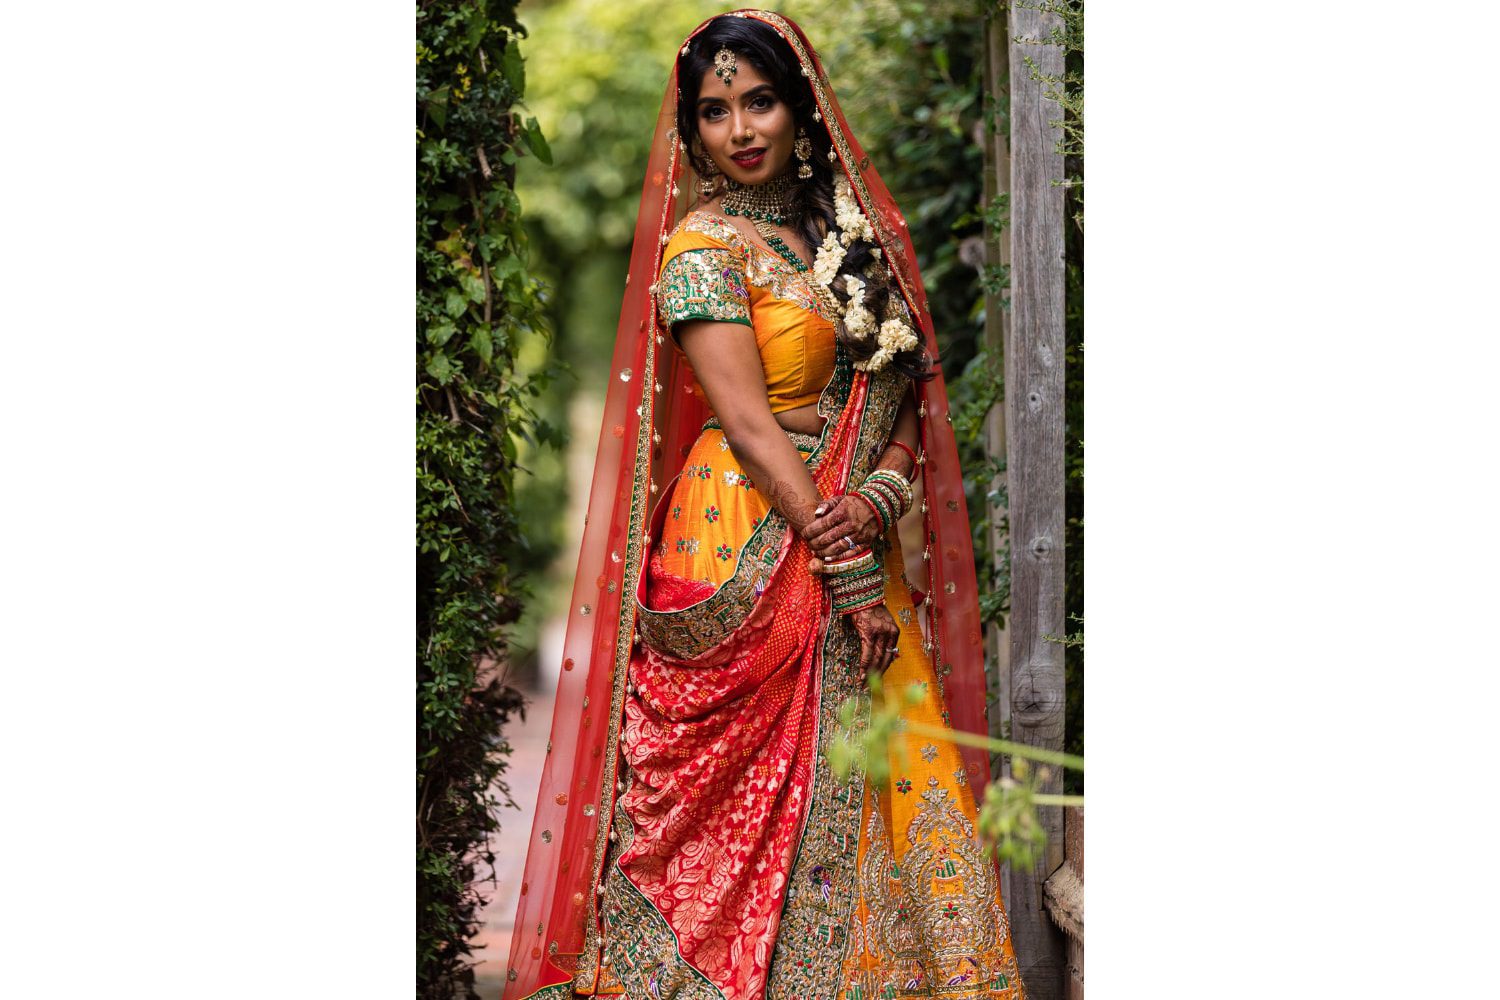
{"points": [[766, 201]]}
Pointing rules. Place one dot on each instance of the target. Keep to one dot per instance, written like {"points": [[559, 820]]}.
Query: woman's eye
{"points": [[712, 114], [762, 102]]}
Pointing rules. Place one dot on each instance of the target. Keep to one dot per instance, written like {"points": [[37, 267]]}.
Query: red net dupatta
{"points": [[650, 421]]}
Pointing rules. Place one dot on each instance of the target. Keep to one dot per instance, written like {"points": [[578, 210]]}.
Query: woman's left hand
{"points": [[838, 519]]}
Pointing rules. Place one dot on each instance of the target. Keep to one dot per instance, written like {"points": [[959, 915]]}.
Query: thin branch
{"points": [[1046, 799], [1038, 754]]}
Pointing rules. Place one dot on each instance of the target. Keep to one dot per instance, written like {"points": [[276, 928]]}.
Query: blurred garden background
{"points": [[584, 79]]}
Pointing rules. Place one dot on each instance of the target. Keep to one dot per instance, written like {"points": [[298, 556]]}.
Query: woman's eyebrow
{"points": [[755, 92]]}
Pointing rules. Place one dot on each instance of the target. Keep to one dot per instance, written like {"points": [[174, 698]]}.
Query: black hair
{"points": [[811, 209]]}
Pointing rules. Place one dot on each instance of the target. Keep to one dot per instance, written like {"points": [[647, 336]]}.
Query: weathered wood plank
{"points": [[1034, 439]]}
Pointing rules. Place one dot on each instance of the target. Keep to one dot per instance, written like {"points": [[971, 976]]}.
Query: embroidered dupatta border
{"points": [[809, 954]]}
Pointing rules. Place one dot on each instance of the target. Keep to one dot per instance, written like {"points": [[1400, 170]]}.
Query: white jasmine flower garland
{"points": [[895, 334], [829, 259], [858, 320], [846, 210]]}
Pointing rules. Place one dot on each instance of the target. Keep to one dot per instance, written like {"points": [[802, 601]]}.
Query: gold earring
{"points": [[803, 150], [707, 180]]}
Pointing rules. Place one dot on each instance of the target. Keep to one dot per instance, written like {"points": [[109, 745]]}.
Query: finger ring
{"points": [[893, 650], [850, 542]]}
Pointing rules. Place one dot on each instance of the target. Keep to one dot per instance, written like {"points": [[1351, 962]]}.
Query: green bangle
{"points": [[897, 485], [893, 486]]}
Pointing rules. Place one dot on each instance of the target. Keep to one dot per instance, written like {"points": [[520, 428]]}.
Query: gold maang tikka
{"points": [[725, 65]]}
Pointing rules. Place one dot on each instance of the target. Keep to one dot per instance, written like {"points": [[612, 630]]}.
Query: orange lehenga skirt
{"points": [[924, 917]]}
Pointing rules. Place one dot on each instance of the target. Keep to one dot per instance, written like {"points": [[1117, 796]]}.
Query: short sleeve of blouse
{"points": [[703, 283]]}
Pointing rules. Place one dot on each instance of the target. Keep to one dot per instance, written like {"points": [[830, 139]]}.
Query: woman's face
{"points": [[745, 128]]}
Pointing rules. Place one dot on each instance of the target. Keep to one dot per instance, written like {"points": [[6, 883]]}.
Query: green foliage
{"points": [[1071, 99], [595, 78], [475, 299], [1008, 815]]}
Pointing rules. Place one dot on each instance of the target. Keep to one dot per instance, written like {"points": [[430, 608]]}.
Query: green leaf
{"points": [[441, 368], [473, 285], [476, 31], [507, 266], [439, 332], [483, 344], [437, 106], [537, 142], [514, 67], [455, 302]]}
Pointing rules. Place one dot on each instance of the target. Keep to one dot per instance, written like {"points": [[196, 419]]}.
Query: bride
{"points": [[774, 411]]}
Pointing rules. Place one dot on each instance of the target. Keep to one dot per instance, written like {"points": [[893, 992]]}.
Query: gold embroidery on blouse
{"points": [[763, 269]]}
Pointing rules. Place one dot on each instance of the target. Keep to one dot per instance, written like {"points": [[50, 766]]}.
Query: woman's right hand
{"points": [[839, 521], [878, 634]]}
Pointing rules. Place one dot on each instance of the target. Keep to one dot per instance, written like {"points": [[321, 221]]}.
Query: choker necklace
{"points": [[767, 201]]}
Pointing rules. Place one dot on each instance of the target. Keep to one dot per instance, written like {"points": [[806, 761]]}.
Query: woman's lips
{"points": [[750, 157]]}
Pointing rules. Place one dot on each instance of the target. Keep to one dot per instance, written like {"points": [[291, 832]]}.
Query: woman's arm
{"points": [[726, 361], [852, 517], [904, 433]]}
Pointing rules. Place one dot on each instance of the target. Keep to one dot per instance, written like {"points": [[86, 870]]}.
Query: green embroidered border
{"points": [[808, 958], [720, 298], [562, 991]]}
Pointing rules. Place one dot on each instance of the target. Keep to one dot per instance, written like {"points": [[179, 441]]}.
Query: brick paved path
{"points": [[529, 740]]}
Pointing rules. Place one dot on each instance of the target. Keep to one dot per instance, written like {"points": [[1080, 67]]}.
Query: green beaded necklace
{"points": [[775, 242]]}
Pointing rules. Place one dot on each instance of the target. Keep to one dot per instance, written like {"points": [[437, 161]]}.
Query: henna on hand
{"points": [[797, 509], [878, 635]]}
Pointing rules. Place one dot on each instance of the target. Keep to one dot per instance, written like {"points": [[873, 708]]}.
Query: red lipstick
{"points": [[750, 157]]}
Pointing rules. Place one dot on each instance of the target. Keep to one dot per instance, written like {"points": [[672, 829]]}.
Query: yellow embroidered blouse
{"points": [[711, 271]]}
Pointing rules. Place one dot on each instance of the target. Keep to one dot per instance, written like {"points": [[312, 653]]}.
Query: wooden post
{"points": [[1034, 439]]}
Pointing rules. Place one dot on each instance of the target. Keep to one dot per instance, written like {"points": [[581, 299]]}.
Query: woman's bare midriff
{"points": [[803, 419]]}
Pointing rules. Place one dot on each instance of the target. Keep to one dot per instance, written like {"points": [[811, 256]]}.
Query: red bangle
{"points": [[873, 509], [909, 452]]}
